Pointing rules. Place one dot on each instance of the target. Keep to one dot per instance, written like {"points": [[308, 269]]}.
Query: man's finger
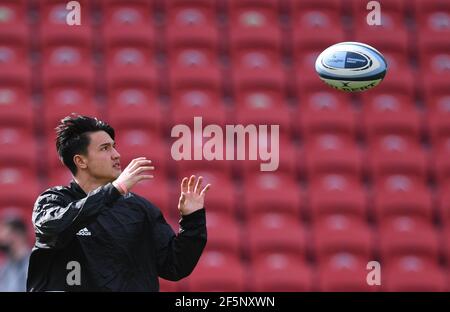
{"points": [[206, 189], [191, 183], [182, 199], [140, 163], [145, 177], [136, 159], [140, 169], [198, 185], [184, 185]]}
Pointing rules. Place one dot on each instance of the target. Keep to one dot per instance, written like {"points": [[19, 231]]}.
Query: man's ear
{"points": [[80, 161]]}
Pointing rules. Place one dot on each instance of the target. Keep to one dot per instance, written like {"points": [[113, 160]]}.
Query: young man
{"points": [[94, 235]]}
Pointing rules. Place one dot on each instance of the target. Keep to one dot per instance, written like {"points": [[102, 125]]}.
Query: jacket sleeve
{"points": [[177, 255], [55, 217]]}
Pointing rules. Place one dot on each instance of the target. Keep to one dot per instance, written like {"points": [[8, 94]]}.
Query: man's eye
{"points": [[104, 148]]}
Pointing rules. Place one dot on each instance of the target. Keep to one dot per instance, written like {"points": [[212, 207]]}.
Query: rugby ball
{"points": [[351, 66]]}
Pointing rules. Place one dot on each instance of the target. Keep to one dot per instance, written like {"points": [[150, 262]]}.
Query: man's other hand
{"points": [[192, 196]]}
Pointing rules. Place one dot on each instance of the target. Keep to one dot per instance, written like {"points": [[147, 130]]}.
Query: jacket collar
{"points": [[77, 189]]}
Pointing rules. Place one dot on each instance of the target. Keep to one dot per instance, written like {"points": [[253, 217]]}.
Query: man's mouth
{"points": [[117, 166]]}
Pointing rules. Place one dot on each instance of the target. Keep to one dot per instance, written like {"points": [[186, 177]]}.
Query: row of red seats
{"points": [[342, 246], [322, 152], [280, 272], [397, 49], [276, 232], [392, 195], [316, 111]]}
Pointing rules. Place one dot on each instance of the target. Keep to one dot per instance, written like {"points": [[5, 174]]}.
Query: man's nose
{"points": [[115, 154]]}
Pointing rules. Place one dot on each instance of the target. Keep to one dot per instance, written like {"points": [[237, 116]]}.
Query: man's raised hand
{"points": [[133, 173], [192, 196]]}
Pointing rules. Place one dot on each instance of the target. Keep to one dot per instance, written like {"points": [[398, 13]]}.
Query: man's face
{"points": [[102, 159]]}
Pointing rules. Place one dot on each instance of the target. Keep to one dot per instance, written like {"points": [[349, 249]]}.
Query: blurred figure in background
{"points": [[14, 244]]}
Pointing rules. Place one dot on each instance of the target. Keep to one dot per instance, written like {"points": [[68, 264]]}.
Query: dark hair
{"points": [[72, 138], [16, 224]]}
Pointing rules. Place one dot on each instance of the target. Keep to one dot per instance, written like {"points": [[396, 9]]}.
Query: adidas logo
{"points": [[84, 232]]}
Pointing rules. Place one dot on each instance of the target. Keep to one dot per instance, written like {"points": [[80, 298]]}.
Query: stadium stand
{"points": [[362, 177]]}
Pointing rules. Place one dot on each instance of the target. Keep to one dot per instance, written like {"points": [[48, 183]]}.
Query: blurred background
{"points": [[362, 176]]}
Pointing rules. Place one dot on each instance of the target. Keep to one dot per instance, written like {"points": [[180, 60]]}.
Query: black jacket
{"points": [[122, 243]]}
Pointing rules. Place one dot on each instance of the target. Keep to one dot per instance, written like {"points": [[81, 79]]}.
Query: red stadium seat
{"points": [[273, 232], [432, 18], [133, 143], [199, 56], [55, 29], [336, 194], [335, 5], [385, 114], [304, 76], [325, 112], [288, 157], [390, 6], [253, 21], [16, 109], [222, 197], [446, 236], [438, 117], [394, 45], [412, 273], [67, 93], [329, 153], [391, 34], [441, 160], [281, 272], [14, 47], [434, 60], [399, 68], [124, 18], [60, 175], [262, 101], [217, 271], [203, 154], [18, 147], [14, 33], [13, 12], [197, 62], [257, 64], [402, 195], [131, 55], [392, 154], [224, 232], [344, 272], [272, 192], [337, 233], [184, 113], [15, 74], [18, 186], [443, 203], [250, 94], [316, 25], [404, 235], [131, 58], [197, 100], [192, 22], [133, 103], [259, 110]]}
